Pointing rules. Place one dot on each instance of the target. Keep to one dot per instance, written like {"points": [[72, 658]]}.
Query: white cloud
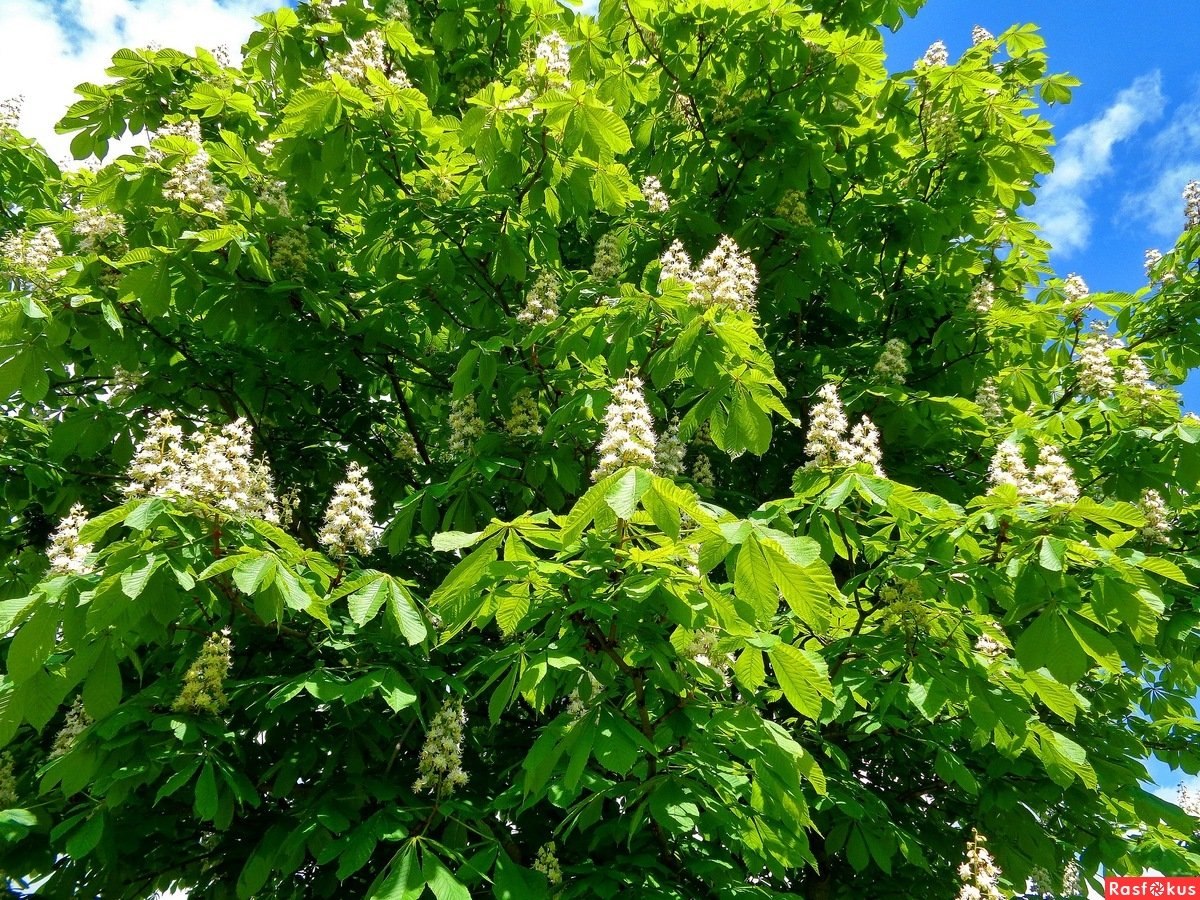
{"points": [[52, 45], [1172, 161], [1084, 158]]}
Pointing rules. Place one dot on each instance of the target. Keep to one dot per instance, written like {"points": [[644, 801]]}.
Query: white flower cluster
{"points": [[1097, 374], [289, 254], [1157, 529], [541, 302], [439, 768], [1071, 880], [980, 35], [979, 874], [1135, 377], [1153, 259], [987, 398], [937, 55], [67, 555], [607, 262], [1191, 204], [989, 647], [348, 527], [94, 226], [1052, 480], [398, 10], [676, 264], [365, 54], [546, 862], [1075, 288], [190, 180], [525, 418], [552, 60], [629, 438], [215, 467], [671, 451], [1189, 801], [892, 367], [983, 298], [203, 690], [831, 442], [466, 427], [10, 112], [656, 197], [31, 252], [8, 782], [726, 277], [702, 471], [274, 193], [75, 724]]}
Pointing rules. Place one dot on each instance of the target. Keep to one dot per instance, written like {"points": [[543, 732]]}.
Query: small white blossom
{"points": [[1008, 467], [203, 690], [541, 302], [607, 262], [552, 60], [1075, 288], [525, 418], [979, 874], [274, 194], [892, 367], [676, 264], [348, 526], [980, 35], [67, 555], [1191, 207], [937, 55], [727, 277], [76, 723], [32, 252], [1135, 377], [987, 398], [10, 112], [987, 646], [1053, 479], [983, 298], [827, 428], [398, 10], [190, 180], [656, 197], [1153, 258], [94, 226], [671, 451], [1188, 800], [864, 446], [465, 427], [1097, 374], [439, 768], [1157, 529], [365, 54], [629, 438]]}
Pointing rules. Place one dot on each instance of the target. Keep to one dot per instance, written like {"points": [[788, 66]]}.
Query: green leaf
{"points": [[404, 613], [626, 491], [206, 793], [439, 880], [753, 579], [367, 601], [255, 573], [1049, 643], [803, 676], [403, 880], [102, 690]]}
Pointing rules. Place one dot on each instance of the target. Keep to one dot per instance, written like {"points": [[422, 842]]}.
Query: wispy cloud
{"points": [[53, 45], [1172, 160], [1084, 159]]}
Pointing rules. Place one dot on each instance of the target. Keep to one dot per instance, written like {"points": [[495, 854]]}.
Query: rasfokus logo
{"points": [[1151, 886]]}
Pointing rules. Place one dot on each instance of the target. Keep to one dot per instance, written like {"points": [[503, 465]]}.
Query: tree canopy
{"points": [[473, 449]]}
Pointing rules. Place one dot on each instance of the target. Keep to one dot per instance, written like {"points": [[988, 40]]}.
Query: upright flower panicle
{"points": [[94, 226], [68, 556], [793, 208], [727, 277], [203, 690], [1008, 467], [864, 446], [979, 874], [552, 60], [1075, 288], [1153, 259], [289, 254], [1157, 528], [439, 768], [827, 428], [525, 418], [541, 302], [32, 252], [466, 427], [77, 721], [656, 197], [987, 398], [980, 35], [1096, 373], [676, 264], [983, 298], [365, 54], [546, 862], [1053, 479], [629, 438], [607, 262], [274, 194], [349, 527], [702, 471], [937, 55], [1135, 378], [190, 179], [671, 451], [1191, 205], [892, 366], [10, 112], [8, 782]]}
